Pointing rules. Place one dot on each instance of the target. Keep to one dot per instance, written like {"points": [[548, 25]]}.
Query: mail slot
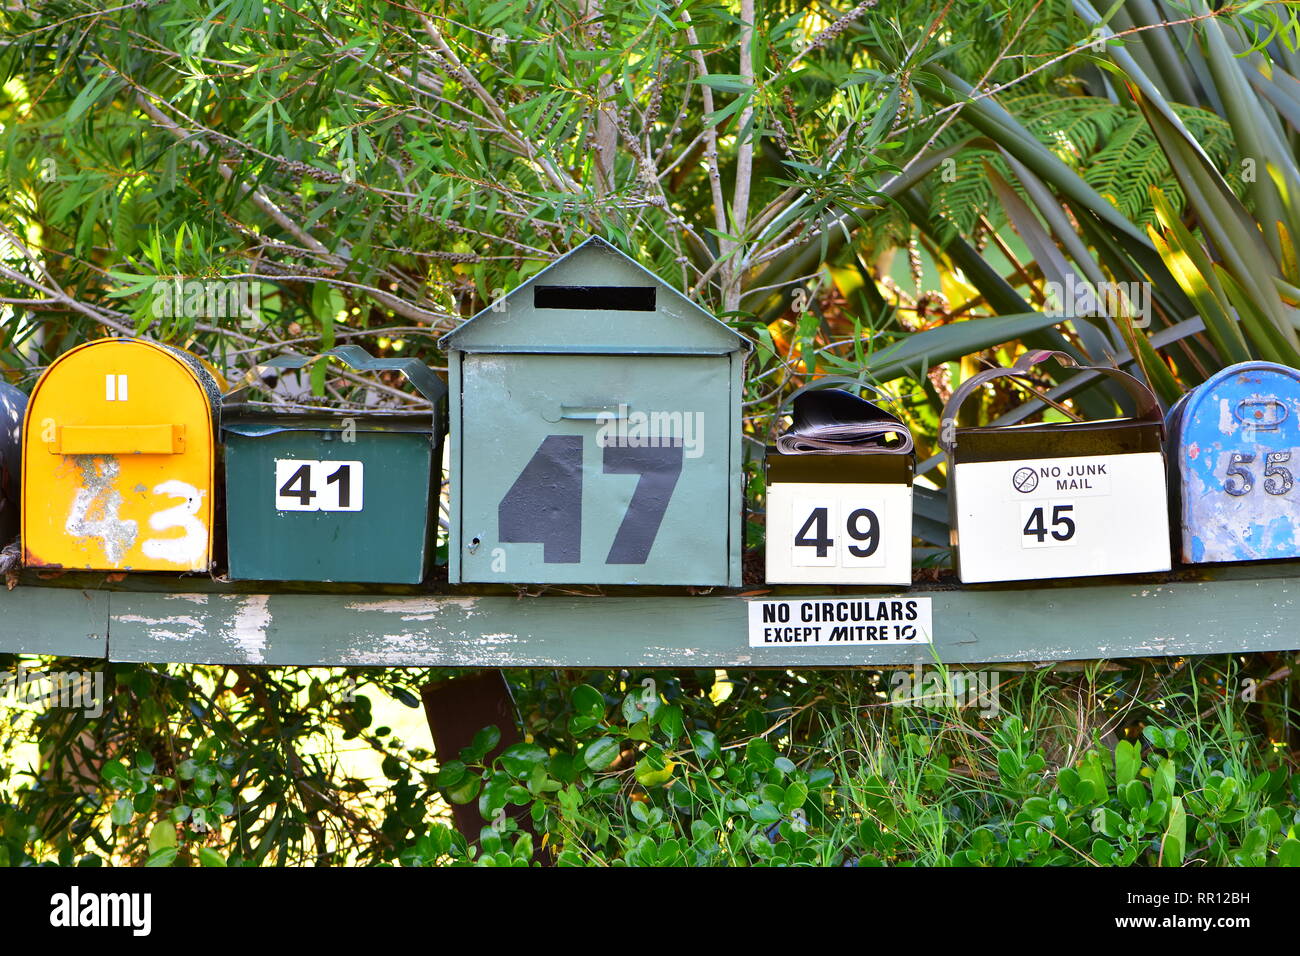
{"points": [[839, 492], [330, 494], [1059, 499], [118, 458], [595, 432], [13, 402], [1232, 445]]}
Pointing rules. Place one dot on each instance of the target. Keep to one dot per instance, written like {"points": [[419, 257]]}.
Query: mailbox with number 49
{"points": [[1234, 441], [839, 493], [1059, 499], [326, 494], [595, 432]]}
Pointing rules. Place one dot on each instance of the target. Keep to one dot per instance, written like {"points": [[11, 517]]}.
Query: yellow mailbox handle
{"points": [[118, 440]]}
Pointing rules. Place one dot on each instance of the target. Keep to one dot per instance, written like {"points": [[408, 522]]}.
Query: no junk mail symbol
{"points": [[595, 422], [1058, 499]]}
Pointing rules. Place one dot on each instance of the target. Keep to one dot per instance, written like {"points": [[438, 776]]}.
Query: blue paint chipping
{"points": [[1234, 454]]}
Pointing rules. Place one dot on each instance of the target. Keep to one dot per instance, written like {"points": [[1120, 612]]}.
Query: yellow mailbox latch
{"points": [[118, 440]]}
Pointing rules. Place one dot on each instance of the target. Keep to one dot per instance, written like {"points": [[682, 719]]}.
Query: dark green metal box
{"points": [[331, 494]]}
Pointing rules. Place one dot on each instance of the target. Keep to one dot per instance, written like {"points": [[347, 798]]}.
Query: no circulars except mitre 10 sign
{"points": [[838, 621]]}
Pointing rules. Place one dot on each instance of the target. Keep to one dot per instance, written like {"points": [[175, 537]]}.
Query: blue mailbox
{"points": [[13, 404], [1233, 483]]}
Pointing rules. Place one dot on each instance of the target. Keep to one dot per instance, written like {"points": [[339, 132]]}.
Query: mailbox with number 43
{"points": [[1058, 499], [1234, 439], [119, 459], [595, 423]]}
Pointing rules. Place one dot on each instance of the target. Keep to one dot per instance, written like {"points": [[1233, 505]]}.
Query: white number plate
{"points": [[1062, 517], [835, 533], [305, 485]]}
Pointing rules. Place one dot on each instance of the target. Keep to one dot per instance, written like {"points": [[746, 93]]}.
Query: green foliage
{"points": [[1155, 764], [1108, 144]]}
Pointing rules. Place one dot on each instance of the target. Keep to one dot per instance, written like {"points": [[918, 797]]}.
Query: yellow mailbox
{"points": [[118, 460]]}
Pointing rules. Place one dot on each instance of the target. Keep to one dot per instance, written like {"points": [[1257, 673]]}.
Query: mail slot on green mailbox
{"points": [[323, 494], [595, 432]]}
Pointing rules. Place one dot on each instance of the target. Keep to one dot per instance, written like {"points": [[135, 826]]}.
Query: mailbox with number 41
{"points": [[595, 423], [325, 494]]}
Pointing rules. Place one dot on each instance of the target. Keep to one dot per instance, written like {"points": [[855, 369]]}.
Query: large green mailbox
{"points": [[595, 422], [325, 494]]}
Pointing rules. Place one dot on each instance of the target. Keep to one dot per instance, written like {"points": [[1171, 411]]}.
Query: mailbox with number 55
{"points": [[1059, 499], [1233, 441], [595, 423]]}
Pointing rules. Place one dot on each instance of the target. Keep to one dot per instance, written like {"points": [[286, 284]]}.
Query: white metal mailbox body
{"points": [[839, 519]]}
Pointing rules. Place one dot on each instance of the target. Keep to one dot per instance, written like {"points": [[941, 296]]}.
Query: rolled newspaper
{"points": [[838, 422]]}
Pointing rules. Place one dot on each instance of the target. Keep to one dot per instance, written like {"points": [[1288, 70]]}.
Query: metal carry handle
{"points": [[424, 379], [1147, 407]]}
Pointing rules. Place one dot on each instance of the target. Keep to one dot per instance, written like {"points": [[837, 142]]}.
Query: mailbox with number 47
{"points": [[595, 423], [1058, 499], [326, 494], [1233, 442]]}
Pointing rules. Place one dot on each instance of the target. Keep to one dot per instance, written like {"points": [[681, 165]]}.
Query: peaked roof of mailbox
{"points": [[514, 323]]}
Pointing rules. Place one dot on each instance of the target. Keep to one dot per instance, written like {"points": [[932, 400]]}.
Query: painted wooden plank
{"points": [[68, 622], [1228, 612], [1203, 611]]}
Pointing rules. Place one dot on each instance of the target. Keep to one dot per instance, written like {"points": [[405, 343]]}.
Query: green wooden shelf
{"points": [[1229, 609]]}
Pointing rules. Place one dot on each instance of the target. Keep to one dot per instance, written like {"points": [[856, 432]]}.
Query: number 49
{"points": [[861, 533]]}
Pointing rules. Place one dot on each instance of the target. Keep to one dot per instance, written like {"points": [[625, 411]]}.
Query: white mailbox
{"points": [[839, 493], [1058, 499]]}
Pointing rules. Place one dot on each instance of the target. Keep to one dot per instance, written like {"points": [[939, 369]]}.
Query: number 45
{"points": [[1062, 525]]}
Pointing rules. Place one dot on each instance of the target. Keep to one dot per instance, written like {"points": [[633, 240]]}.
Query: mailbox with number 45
{"points": [[1058, 499], [595, 423], [1234, 445]]}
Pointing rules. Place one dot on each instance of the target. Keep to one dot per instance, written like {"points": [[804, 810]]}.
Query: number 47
{"points": [[544, 505]]}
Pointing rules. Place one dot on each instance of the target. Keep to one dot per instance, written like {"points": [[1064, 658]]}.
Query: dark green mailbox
{"points": [[595, 432], [324, 494]]}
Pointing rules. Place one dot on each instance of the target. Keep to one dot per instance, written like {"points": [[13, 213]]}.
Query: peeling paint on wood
{"points": [[1234, 609]]}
